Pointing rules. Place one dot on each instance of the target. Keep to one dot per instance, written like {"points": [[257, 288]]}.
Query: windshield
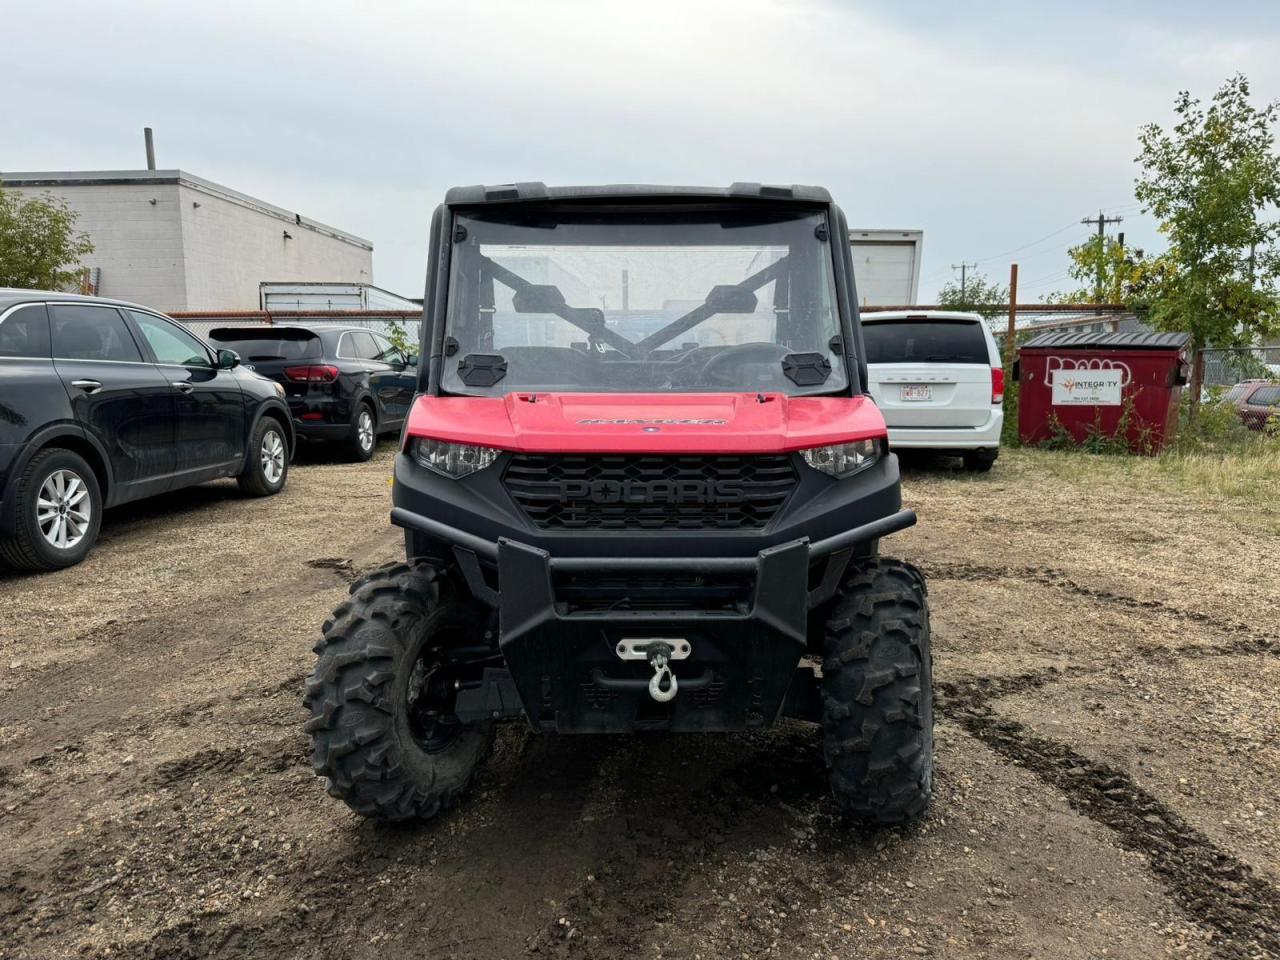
{"points": [[721, 302]]}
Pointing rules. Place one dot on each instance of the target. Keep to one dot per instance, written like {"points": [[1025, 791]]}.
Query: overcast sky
{"points": [[988, 125]]}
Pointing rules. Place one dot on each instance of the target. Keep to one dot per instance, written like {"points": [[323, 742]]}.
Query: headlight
{"points": [[455, 460], [279, 388], [843, 459]]}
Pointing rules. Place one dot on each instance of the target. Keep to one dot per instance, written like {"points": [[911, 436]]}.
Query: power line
{"points": [[1123, 207], [997, 256], [1118, 208], [1045, 280], [1027, 246]]}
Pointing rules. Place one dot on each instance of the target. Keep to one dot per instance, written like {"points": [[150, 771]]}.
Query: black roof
{"points": [[1109, 341], [536, 190]]}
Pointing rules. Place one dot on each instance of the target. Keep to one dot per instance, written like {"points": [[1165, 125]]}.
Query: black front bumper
{"points": [[570, 680], [565, 602]]}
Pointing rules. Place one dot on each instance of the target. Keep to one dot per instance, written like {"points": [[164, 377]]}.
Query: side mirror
{"points": [[731, 299], [410, 359], [228, 359], [538, 298]]}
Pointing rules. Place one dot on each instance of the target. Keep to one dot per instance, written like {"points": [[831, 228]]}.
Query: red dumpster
{"points": [[1117, 385]]}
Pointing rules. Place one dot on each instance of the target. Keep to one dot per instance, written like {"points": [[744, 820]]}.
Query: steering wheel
{"points": [[756, 352]]}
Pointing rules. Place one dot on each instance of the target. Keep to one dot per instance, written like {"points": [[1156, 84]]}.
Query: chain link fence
{"points": [[1223, 368]]}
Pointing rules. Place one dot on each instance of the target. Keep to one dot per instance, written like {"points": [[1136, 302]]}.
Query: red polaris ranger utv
{"points": [[643, 489]]}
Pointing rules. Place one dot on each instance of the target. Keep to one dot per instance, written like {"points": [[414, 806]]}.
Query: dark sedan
{"points": [[342, 384]]}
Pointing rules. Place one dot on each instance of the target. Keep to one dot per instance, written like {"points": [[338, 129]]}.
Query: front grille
{"points": [[574, 492], [653, 591]]}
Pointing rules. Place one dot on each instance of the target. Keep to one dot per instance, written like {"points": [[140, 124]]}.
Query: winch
{"points": [[663, 685]]}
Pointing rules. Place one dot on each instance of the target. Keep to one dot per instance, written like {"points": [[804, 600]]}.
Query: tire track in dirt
{"points": [[126, 685], [665, 831], [469, 863], [177, 641], [263, 757], [1214, 888], [1048, 576]]}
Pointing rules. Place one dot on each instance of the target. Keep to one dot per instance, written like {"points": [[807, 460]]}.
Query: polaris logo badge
{"points": [[651, 422], [652, 491]]}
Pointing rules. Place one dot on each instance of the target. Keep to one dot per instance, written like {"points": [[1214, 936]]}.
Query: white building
{"points": [[176, 242], [325, 297]]}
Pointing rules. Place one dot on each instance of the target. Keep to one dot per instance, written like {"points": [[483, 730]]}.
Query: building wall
{"points": [[229, 247], [138, 244], [176, 242]]}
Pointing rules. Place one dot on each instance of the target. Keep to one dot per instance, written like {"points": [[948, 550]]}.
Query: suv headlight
{"points": [[843, 459], [453, 460]]}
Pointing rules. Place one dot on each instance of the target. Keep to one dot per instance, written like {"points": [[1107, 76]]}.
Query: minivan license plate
{"points": [[917, 391]]}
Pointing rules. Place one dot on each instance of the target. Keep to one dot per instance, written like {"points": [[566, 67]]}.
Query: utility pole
{"points": [[964, 273], [1011, 336], [1101, 220]]}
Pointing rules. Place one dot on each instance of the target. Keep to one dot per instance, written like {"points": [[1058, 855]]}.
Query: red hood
{"points": [[646, 422]]}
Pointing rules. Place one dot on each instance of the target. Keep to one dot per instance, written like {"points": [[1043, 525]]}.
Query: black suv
{"points": [[343, 384], [103, 402]]}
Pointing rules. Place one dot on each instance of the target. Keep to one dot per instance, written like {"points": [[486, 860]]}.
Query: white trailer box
{"points": [[327, 297], [886, 266]]}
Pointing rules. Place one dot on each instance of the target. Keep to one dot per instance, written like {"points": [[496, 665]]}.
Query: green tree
{"points": [[1106, 270], [399, 337], [1210, 181], [979, 295], [39, 246], [1110, 272]]}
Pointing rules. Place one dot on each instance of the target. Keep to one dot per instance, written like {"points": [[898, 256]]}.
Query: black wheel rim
{"points": [[430, 701]]}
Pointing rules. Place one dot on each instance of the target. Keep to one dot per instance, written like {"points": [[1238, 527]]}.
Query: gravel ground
{"points": [[1108, 756]]}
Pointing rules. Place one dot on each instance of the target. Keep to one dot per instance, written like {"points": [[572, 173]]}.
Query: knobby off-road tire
{"points": [[877, 694], [363, 739]]}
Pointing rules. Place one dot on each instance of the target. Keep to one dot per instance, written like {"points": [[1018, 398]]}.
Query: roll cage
{"points": [[526, 198]]}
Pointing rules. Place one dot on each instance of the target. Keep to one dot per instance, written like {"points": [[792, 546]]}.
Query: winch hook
{"points": [[659, 659]]}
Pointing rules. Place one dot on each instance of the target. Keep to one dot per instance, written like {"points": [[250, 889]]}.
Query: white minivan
{"points": [[937, 378]]}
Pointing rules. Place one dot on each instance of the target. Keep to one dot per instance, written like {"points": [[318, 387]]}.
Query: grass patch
{"points": [[1215, 455], [1253, 474], [1249, 471]]}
